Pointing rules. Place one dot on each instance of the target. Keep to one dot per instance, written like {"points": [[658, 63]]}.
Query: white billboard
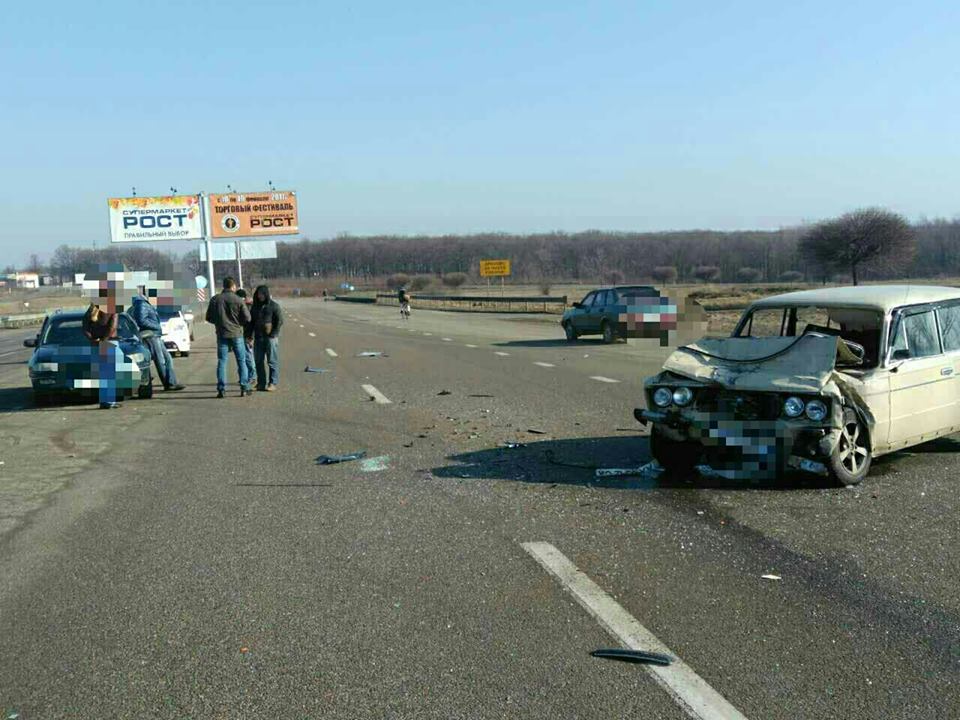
{"points": [[149, 219], [249, 250]]}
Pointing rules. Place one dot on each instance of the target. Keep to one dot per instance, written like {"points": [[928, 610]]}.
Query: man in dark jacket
{"points": [[267, 320], [229, 314], [151, 333]]}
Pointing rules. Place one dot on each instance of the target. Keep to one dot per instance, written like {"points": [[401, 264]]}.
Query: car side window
{"points": [[588, 300], [916, 336], [950, 327], [603, 298]]}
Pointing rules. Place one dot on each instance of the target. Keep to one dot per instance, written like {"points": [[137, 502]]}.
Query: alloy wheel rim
{"points": [[853, 453]]}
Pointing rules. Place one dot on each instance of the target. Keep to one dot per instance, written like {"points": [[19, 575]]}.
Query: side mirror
{"points": [[578, 304], [30, 342], [895, 358]]}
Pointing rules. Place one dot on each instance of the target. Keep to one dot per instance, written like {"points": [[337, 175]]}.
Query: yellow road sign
{"points": [[494, 268]]}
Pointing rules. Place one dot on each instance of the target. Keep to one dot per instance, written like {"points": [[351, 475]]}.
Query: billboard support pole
{"points": [[239, 266], [206, 239]]}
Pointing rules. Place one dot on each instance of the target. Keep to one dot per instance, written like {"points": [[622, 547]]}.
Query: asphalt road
{"points": [[185, 556]]}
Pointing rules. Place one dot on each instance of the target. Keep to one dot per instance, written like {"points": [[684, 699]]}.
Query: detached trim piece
{"points": [[633, 656]]}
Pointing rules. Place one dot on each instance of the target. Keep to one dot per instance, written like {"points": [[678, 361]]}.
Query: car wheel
{"points": [[674, 456], [850, 461], [145, 392], [609, 334], [570, 332], [185, 353]]}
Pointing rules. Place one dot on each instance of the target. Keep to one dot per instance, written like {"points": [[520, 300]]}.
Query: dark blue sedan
{"points": [[65, 362]]}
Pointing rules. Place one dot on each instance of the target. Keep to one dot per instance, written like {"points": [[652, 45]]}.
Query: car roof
{"points": [[67, 315], [877, 297]]}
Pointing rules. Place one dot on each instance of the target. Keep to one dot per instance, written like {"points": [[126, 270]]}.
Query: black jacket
{"points": [[229, 313], [267, 316]]}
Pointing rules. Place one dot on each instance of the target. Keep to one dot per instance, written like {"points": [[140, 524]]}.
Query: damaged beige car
{"points": [[820, 381]]}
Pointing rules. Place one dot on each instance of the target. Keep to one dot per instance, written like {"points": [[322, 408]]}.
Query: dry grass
{"points": [[40, 300]]}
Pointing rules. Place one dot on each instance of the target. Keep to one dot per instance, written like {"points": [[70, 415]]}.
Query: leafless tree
{"points": [[454, 280], [863, 240], [791, 276], [748, 275], [706, 273], [664, 273]]}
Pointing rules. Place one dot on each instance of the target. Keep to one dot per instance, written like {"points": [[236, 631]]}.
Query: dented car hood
{"points": [[786, 364]]}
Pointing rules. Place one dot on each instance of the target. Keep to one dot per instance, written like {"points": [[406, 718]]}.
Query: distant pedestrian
{"points": [[404, 298], [267, 321], [99, 324], [151, 333], [248, 335], [229, 314]]}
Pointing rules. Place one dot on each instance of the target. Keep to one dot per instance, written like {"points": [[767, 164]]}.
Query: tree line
{"points": [[929, 248]]}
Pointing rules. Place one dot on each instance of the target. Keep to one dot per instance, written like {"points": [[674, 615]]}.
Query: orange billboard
{"points": [[271, 212]]}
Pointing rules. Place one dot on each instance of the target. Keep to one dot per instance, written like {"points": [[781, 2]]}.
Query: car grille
{"points": [[739, 405]]}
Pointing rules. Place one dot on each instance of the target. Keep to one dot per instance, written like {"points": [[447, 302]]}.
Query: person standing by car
{"points": [[267, 320], [100, 327], [228, 313], [151, 333], [248, 335]]}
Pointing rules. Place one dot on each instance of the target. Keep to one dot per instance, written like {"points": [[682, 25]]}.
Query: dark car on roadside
{"points": [[600, 311], [64, 361]]}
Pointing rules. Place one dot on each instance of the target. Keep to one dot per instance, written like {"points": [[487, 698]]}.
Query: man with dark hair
{"points": [[230, 315], [151, 333], [248, 335], [267, 320]]}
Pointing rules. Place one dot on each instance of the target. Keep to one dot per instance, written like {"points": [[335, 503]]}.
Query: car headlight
{"points": [[793, 407], [682, 396], [662, 397], [816, 410]]}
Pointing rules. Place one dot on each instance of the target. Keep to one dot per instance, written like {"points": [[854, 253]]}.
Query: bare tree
{"points": [[398, 280], [791, 276], [748, 275], [665, 273], [867, 239], [454, 280], [706, 273]]}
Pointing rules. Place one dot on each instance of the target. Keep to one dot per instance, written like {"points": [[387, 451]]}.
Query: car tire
{"points": [[674, 456], [145, 392], [850, 461], [572, 335], [186, 353], [609, 333]]}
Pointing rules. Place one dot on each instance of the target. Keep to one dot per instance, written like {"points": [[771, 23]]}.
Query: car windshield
{"points": [[168, 311], [65, 332], [857, 325]]}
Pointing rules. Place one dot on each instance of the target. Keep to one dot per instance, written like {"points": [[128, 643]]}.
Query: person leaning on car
{"points": [[267, 320], [151, 333], [229, 314], [100, 327]]}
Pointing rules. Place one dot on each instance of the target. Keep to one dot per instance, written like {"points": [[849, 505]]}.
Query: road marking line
{"points": [[543, 364], [471, 346], [601, 378], [301, 327], [312, 334], [331, 352], [447, 339], [500, 353], [375, 395], [690, 691]]}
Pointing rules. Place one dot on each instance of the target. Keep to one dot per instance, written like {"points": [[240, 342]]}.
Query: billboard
{"points": [[249, 250], [148, 219], [494, 268], [273, 212]]}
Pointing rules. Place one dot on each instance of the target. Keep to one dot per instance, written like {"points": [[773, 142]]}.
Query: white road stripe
{"points": [[601, 378], [447, 339], [501, 353], [690, 691], [312, 334], [301, 327], [331, 352], [427, 334], [471, 346], [543, 364], [375, 395]]}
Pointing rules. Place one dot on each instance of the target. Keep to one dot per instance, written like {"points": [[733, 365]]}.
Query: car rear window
{"points": [[65, 332]]}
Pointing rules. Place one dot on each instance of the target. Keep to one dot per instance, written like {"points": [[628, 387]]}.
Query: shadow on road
{"points": [[559, 342], [575, 461]]}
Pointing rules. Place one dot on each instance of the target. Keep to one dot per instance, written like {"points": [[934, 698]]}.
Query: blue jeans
{"points": [[162, 360], [224, 348], [108, 356], [267, 352], [251, 366]]}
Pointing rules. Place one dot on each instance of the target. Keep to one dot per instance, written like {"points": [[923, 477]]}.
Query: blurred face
{"points": [[261, 296]]}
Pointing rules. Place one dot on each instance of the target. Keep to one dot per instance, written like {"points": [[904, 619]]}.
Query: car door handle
{"points": [[946, 371]]}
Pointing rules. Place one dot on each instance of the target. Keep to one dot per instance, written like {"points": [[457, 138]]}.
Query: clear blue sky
{"points": [[466, 116]]}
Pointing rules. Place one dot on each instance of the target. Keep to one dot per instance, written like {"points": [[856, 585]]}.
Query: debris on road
{"points": [[372, 354], [624, 472], [771, 577], [444, 392], [334, 459], [375, 464], [633, 656], [315, 370], [513, 445], [481, 395], [535, 431]]}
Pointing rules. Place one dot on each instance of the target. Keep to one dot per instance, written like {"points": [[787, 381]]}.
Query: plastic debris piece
{"points": [[375, 464], [633, 656], [371, 354], [481, 395], [514, 445], [771, 577], [444, 392], [315, 370], [535, 431], [334, 459]]}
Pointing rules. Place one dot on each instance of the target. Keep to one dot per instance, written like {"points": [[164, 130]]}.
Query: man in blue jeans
{"points": [[229, 314], [267, 320], [151, 333]]}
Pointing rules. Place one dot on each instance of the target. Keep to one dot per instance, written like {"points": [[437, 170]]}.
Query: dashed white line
{"points": [[690, 691], [447, 339], [427, 334], [375, 395], [301, 327], [544, 364], [601, 378], [331, 352], [501, 353], [312, 334], [470, 346]]}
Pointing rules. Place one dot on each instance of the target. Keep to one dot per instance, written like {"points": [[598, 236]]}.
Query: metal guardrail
{"points": [[24, 320], [355, 299], [482, 303]]}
